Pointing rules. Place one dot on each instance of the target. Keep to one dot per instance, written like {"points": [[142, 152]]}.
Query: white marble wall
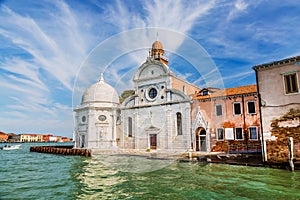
{"points": [[98, 132]]}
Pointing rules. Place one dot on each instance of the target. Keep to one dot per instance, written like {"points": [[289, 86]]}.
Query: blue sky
{"points": [[46, 49]]}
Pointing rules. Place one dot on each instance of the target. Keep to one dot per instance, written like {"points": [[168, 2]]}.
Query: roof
{"points": [[277, 63], [228, 92], [100, 92], [157, 45]]}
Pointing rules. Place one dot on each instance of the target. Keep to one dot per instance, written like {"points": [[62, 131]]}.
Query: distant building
{"points": [[12, 137], [226, 120], [46, 138], [54, 138], [278, 87], [66, 139], [31, 138], [3, 137]]}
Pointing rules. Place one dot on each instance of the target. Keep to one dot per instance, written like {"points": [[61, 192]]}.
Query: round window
{"points": [[152, 93], [83, 119], [102, 117]]}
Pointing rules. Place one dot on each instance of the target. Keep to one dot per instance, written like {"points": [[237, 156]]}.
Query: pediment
{"points": [[152, 128], [151, 69]]}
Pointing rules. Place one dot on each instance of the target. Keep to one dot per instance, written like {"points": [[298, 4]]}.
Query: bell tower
{"points": [[157, 52]]}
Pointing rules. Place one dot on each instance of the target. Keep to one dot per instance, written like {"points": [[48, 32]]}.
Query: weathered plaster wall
{"points": [[274, 101]]}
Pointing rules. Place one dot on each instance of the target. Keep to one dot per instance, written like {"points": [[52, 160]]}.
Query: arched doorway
{"points": [[201, 139]]}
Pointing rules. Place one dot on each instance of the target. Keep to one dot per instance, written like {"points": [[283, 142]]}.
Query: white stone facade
{"points": [[156, 117], [95, 119], [154, 110]]}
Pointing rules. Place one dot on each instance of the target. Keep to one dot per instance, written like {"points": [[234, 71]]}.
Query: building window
{"points": [[152, 93], [238, 133], [129, 127], [218, 110], [220, 134], [102, 118], [251, 107], [179, 123], [237, 108], [253, 133], [291, 83]]}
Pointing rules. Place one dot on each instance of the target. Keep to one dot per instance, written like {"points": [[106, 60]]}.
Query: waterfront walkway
{"points": [[190, 156]]}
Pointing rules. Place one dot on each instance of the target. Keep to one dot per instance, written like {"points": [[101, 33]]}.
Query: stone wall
{"points": [[282, 128]]}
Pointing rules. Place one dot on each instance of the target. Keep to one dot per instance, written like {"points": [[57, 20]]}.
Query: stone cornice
{"points": [[226, 97], [277, 63]]}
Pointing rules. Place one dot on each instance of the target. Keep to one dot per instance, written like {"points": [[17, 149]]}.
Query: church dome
{"points": [[157, 45], [100, 92]]}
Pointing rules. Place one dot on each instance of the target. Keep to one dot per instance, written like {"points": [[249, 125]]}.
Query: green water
{"points": [[27, 175]]}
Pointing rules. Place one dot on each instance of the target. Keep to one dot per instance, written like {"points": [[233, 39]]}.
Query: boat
{"points": [[8, 147]]}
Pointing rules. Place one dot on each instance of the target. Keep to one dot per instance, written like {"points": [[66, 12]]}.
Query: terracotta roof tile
{"points": [[227, 92]]}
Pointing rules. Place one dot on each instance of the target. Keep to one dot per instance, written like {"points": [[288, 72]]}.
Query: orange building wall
{"points": [[228, 120], [3, 137]]}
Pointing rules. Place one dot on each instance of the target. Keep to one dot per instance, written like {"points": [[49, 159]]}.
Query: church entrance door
{"points": [[153, 141]]}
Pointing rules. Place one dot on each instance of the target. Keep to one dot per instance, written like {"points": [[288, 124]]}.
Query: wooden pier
{"points": [[62, 150]]}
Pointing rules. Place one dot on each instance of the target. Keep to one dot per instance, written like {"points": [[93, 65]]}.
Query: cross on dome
{"points": [[101, 77]]}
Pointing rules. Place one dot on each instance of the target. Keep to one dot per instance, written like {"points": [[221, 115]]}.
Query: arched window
{"points": [[129, 127], [179, 123]]}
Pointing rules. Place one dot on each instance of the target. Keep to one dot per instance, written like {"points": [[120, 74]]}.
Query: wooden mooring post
{"points": [[291, 153]]}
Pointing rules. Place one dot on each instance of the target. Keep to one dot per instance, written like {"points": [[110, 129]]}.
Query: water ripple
{"points": [[26, 175]]}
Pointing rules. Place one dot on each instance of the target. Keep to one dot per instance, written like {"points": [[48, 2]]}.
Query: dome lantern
{"points": [[157, 52]]}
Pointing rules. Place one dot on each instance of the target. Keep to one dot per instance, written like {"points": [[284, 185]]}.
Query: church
{"points": [[156, 117]]}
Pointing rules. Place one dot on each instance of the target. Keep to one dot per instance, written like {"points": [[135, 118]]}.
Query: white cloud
{"points": [[239, 7], [54, 47], [176, 14]]}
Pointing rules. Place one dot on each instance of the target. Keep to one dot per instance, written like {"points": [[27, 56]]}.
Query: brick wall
{"points": [[234, 146], [282, 128]]}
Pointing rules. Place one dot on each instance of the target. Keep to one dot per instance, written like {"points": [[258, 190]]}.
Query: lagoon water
{"points": [[28, 175]]}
